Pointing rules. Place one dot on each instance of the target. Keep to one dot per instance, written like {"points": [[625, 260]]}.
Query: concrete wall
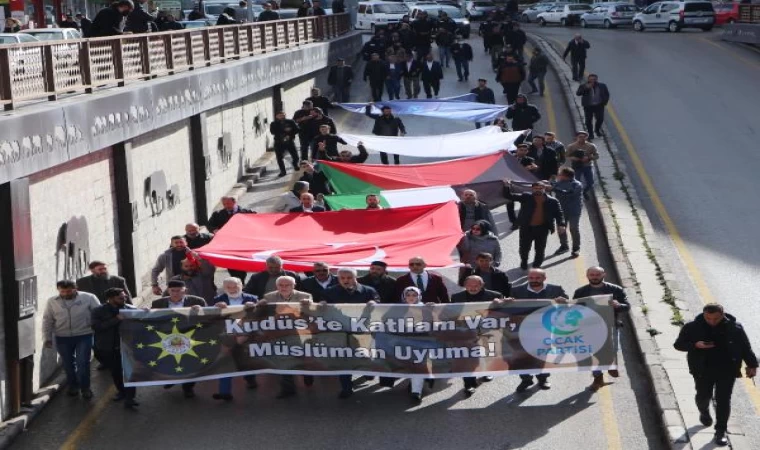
{"points": [[73, 212], [162, 189]]}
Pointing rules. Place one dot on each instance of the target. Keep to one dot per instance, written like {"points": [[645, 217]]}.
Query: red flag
{"points": [[348, 238]]}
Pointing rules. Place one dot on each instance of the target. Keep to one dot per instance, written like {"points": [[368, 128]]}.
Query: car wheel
{"points": [[673, 27], [608, 24], [707, 28], [563, 22], [583, 23], [542, 22], [638, 26], [526, 18]]}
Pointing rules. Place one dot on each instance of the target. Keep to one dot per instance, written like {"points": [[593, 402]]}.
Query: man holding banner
{"points": [[386, 124]]}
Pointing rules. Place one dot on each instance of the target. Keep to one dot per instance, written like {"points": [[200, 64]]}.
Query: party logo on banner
{"points": [[562, 334]]}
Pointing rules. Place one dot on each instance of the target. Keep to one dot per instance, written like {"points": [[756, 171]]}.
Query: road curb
{"points": [[12, 428], [633, 223]]}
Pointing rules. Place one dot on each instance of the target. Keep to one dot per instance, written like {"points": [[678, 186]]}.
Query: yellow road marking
{"points": [[84, 428], [731, 52]]}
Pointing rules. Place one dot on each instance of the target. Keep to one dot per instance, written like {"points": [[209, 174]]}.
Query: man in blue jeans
{"points": [[582, 155], [67, 321]]}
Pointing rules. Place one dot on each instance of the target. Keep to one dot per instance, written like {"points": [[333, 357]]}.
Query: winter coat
{"points": [[376, 72], [385, 126], [523, 116], [484, 95], [470, 246], [68, 318], [570, 196]]}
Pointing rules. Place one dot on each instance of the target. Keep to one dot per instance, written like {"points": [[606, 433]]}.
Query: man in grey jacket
{"points": [[569, 192], [67, 320], [169, 261]]}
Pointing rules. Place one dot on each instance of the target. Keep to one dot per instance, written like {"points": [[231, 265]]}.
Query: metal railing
{"points": [[749, 14], [38, 70]]}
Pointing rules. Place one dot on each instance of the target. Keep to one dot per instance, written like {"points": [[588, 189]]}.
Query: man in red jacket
{"points": [[432, 286]]}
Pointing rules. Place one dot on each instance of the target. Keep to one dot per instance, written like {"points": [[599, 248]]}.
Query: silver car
{"points": [[609, 15], [531, 14]]}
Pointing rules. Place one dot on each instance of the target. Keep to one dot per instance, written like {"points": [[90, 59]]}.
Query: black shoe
{"points": [[119, 397], [575, 253], [705, 418], [252, 384], [281, 174], [524, 265], [599, 133], [72, 392], [514, 227], [590, 138], [130, 404], [720, 439], [226, 397], [416, 397], [86, 394], [344, 394], [189, 394], [487, 379], [168, 386], [524, 385], [285, 394], [468, 391], [562, 249], [535, 265], [545, 385]]}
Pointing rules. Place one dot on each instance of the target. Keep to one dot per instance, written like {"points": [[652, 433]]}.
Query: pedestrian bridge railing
{"points": [[48, 69]]}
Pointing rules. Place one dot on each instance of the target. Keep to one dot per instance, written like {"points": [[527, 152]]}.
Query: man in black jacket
{"points": [[325, 145], [99, 281], [376, 45], [264, 282], [108, 21], [484, 95], [338, 7], [577, 49], [412, 73], [316, 285], [461, 52], [319, 100], [494, 279], [340, 78], [84, 24], [597, 286], [717, 345], [386, 124], [524, 115], [378, 278], [544, 157], [423, 28], [432, 74], [106, 320], [537, 289], [376, 72], [312, 125], [139, 21], [516, 38], [303, 118], [194, 237], [284, 131], [267, 15], [594, 98], [538, 214], [318, 183], [220, 217], [345, 155]]}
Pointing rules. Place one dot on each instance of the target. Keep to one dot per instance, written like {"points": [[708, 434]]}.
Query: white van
{"points": [[377, 14]]}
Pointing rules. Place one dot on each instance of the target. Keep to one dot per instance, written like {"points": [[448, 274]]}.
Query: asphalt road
{"points": [[686, 107], [619, 416]]}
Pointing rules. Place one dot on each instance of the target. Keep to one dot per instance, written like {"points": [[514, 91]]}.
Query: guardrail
{"points": [[749, 14], [38, 70]]}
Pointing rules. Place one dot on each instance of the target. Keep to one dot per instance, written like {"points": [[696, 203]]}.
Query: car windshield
{"points": [[625, 8], [693, 7], [216, 9], [579, 7], [8, 40], [392, 9], [723, 7], [47, 35], [452, 12]]}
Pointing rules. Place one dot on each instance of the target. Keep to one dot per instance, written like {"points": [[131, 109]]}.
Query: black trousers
{"points": [[304, 141], [592, 112], [578, 66], [384, 158], [533, 236], [541, 377], [511, 212], [511, 89], [723, 387], [279, 151], [288, 382], [377, 90], [470, 382], [113, 362], [431, 87]]}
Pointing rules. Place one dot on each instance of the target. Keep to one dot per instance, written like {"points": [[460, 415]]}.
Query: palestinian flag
{"points": [[484, 174]]}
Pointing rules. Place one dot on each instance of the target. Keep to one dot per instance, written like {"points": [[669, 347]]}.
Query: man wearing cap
{"points": [[340, 78], [178, 299], [582, 155], [267, 15], [386, 124], [384, 284]]}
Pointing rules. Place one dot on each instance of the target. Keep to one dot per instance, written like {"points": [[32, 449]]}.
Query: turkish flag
{"points": [[347, 238]]}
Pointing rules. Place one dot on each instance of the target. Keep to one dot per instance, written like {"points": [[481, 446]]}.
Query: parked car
{"points": [[53, 34], [434, 11], [564, 15], [531, 13], [376, 14], [16, 38], [726, 12], [609, 15], [190, 24], [479, 8], [675, 16]]}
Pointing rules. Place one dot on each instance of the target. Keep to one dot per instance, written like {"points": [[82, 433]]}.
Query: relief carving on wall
{"points": [[224, 150], [158, 195], [72, 255]]}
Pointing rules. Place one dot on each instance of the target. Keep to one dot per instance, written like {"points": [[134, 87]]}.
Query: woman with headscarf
{"points": [[479, 239], [413, 296]]}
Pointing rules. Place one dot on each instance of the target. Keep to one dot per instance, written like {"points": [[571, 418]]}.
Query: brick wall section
{"points": [[77, 192], [166, 151]]}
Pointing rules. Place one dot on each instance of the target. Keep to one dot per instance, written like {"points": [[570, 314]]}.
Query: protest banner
{"points": [[442, 341]]}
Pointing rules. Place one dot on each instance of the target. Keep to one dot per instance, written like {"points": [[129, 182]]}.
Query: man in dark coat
{"points": [[494, 279], [139, 21], [378, 279], [538, 214], [178, 299], [373, 46], [423, 28], [432, 74], [577, 49], [316, 285], [319, 101], [318, 183], [717, 345], [431, 284], [516, 38], [619, 302], [284, 131], [264, 282], [594, 98], [376, 72], [412, 73], [99, 281], [484, 95], [386, 124], [108, 21], [307, 205], [544, 157], [461, 52], [313, 125], [84, 24], [220, 217], [194, 237], [267, 15], [303, 118], [472, 210], [537, 289], [340, 78], [338, 7], [511, 74], [523, 114], [106, 320]]}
